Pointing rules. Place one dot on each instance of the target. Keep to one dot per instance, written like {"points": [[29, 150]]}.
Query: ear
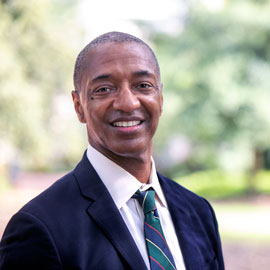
{"points": [[161, 98], [78, 106]]}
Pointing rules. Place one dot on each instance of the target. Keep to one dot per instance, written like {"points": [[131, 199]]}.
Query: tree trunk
{"points": [[257, 165]]}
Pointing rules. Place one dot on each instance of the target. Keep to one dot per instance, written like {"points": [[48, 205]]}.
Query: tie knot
{"points": [[146, 199]]}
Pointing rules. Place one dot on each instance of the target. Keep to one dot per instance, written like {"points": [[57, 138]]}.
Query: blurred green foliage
{"points": [[216, 75], [37, 52], [218, 184]]}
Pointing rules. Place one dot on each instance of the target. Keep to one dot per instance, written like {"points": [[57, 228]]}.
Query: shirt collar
{"points": [[120, 183], [154, 183]]}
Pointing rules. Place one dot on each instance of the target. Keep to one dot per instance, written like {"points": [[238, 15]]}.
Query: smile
{"points": [[126, 123]]}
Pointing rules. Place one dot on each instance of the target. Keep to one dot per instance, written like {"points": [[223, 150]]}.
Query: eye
{"points": [[144, 86], [102, 90]]}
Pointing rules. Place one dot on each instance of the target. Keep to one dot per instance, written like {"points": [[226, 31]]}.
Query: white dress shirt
{"points": [[121, 186]]}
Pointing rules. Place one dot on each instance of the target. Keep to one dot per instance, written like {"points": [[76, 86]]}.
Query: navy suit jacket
{"points": [[75, 224]]}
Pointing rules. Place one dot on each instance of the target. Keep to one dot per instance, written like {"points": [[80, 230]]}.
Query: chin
{"points": [[129, 150]]}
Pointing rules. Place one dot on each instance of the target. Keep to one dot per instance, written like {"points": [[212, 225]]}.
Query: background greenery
{"points": [[214, 135], [39, 40]]}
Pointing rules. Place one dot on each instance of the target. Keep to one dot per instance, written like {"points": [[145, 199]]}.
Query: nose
{"points": [[126, 100]]}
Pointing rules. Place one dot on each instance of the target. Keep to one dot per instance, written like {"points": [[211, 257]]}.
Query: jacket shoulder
{"points": [[169, 185], [58, 191]]}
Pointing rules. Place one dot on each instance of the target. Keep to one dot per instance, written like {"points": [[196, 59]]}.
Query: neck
{"points": [[139, 168], [137, 164]]}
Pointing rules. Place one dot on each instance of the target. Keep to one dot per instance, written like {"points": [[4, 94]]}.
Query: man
{"points": [[95, 217]]}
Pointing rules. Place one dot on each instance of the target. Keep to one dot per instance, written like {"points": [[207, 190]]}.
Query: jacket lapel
{"points": [[184, 227], [105, 213]]}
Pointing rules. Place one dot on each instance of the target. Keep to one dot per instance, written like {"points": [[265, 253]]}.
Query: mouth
{"points": [[126, 124]]}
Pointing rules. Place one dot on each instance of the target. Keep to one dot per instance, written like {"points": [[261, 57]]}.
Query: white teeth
{"points": [[126, 123]]}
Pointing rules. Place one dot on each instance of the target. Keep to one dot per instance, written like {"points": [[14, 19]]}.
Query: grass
{"points": [[218, 184], [263, 182], [240, 217]]}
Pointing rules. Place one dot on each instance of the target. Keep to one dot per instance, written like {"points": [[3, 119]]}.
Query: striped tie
{"points": [[159, 253]]}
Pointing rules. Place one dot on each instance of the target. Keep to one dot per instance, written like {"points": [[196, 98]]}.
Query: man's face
{"points": [[120, 99]]}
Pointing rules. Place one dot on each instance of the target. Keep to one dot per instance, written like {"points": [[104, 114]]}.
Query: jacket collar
{"points": [[105, 213], [181, 213]]}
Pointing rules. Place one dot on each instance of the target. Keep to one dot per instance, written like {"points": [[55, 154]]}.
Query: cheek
{"points": [[161, 106], [96, 119], [156, 107]]}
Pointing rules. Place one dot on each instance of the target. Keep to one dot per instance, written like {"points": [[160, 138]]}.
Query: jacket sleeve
{"points": [[27, 244], [218, 246]]}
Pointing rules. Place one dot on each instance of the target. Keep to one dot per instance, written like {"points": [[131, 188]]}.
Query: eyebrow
{"points": [[101, 77], [143, 73], [138, 73]]}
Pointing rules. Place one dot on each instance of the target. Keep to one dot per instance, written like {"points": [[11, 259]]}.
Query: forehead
{"points": [[110, 56]]}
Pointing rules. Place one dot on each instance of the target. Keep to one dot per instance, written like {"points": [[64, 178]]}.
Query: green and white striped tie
{"points": [[160, 256]]}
